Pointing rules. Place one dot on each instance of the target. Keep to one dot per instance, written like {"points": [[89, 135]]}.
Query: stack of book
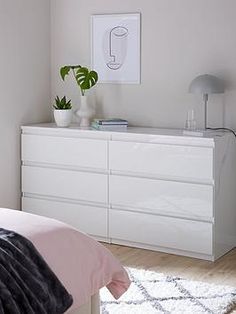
{"points": [[110, 124]]}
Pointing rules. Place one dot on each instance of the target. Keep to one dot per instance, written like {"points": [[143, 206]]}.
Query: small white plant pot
{"points": [[63, 117], [84, 113]]}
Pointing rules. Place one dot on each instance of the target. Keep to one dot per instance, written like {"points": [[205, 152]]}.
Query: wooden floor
{"points": [[223, 271]]}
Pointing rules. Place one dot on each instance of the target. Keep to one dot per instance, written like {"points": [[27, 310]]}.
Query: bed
{"points": [[81, 264]]}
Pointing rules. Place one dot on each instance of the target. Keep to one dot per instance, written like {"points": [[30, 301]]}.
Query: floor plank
{"points": [[223, 271]]}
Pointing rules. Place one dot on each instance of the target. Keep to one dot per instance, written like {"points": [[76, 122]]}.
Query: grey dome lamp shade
{"points": [[206, 84]]}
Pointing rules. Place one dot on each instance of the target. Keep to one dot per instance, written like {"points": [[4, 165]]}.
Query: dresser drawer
{"points": [[160, 231], [65, 183], [88, 219], [164, 197], [186, 162], [65, 151]]}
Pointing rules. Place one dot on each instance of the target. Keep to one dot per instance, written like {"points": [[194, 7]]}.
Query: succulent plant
{"points": [[62, 104]]}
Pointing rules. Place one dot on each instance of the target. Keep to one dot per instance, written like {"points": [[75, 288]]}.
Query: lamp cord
{"points": [[226, 129]]}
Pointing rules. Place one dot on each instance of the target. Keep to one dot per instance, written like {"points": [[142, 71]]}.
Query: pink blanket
{"points": [[81, 264]]}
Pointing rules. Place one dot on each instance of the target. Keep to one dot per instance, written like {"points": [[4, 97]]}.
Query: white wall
{"points": [[24, 83], [180, 39]]}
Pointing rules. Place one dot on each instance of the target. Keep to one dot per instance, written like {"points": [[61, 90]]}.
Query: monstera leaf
{"points": [[84, 78], [64, 71]]}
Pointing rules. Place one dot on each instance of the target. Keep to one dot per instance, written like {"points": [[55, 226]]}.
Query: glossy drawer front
{"points": [[162, 160], [163, 197], [85, 218], [65, 183], [161, 231], [65, 151]]}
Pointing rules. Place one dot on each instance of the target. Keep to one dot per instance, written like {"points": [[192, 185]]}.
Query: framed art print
{"points": [[116, 47]]}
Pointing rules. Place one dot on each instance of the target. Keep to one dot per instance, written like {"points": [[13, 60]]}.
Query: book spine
{"points": [[108, 127], [113, 123]]}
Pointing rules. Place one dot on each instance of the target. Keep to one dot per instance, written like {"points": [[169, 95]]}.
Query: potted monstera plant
{"points": [[85, 80]]}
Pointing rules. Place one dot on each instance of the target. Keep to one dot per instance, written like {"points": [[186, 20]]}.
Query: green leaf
{"points": [[85, 78], [62, 103], [75, 66], [65, 71]]}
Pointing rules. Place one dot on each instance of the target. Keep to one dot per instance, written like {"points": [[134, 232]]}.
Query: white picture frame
{"points": [[115, 47]]}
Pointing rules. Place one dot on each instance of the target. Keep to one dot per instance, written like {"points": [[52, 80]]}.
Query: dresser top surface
{"points": [[148, 131]]}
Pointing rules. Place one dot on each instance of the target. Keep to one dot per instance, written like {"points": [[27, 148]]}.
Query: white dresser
{"points": [[148, 188]]}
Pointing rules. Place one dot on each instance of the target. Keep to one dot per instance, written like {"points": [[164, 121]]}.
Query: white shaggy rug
{"points": [[152, 292]]}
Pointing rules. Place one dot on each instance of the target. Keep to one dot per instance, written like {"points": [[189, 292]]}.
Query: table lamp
{"points": [[206, 84]]}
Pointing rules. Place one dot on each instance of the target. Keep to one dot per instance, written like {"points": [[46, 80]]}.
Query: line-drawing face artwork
{"points": [[115, 47]]}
